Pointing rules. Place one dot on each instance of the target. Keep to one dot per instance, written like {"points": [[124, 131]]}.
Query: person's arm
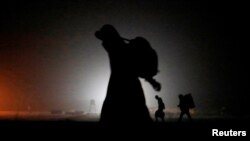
{"points": [[156, 85]]}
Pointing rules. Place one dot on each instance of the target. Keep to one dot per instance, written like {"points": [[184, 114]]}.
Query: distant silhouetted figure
{"points": [[186, 102], [92, 107], [161, 106], [125, 101]]}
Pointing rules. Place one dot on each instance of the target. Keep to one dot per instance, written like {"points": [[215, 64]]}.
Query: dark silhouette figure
{"points": [[161, 106], [184, 107], [92, 107], [125, 101]]}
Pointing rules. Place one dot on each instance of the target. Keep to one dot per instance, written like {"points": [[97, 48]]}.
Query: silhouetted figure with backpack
{"points": [[159, 112], [186, 103], [125, 102]]}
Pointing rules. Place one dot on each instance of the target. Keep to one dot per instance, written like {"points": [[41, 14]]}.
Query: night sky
{"points": [[50, 58]]}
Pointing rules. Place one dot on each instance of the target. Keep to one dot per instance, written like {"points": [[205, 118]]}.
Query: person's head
{"points": [[107, 33], [156, 97]]}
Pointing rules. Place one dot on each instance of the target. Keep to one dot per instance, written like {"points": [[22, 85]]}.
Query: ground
{"points": [[73, 129], [78, 124]]}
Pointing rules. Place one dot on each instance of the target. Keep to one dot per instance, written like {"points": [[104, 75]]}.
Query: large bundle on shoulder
{"points": [[189, 100], [145, 58]]}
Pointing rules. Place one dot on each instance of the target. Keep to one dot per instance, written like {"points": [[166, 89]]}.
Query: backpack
{"points": [[145, 58], [189, 100]]}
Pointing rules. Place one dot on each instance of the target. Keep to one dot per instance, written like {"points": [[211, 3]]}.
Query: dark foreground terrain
{"points": [[76, 129]]}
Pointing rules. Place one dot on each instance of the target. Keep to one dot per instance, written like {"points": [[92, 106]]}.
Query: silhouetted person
{"points": [[184, 107], [92, 107], [125, 101], [161, 106]]}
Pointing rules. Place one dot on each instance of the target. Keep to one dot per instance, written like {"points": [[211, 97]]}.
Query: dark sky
{"points": [[50, 58]]}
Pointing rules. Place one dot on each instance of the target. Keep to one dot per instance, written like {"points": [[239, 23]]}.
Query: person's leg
{"points": [[162, 116], [181, 115], [162, 119], [189, 116], [156, 118]]}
